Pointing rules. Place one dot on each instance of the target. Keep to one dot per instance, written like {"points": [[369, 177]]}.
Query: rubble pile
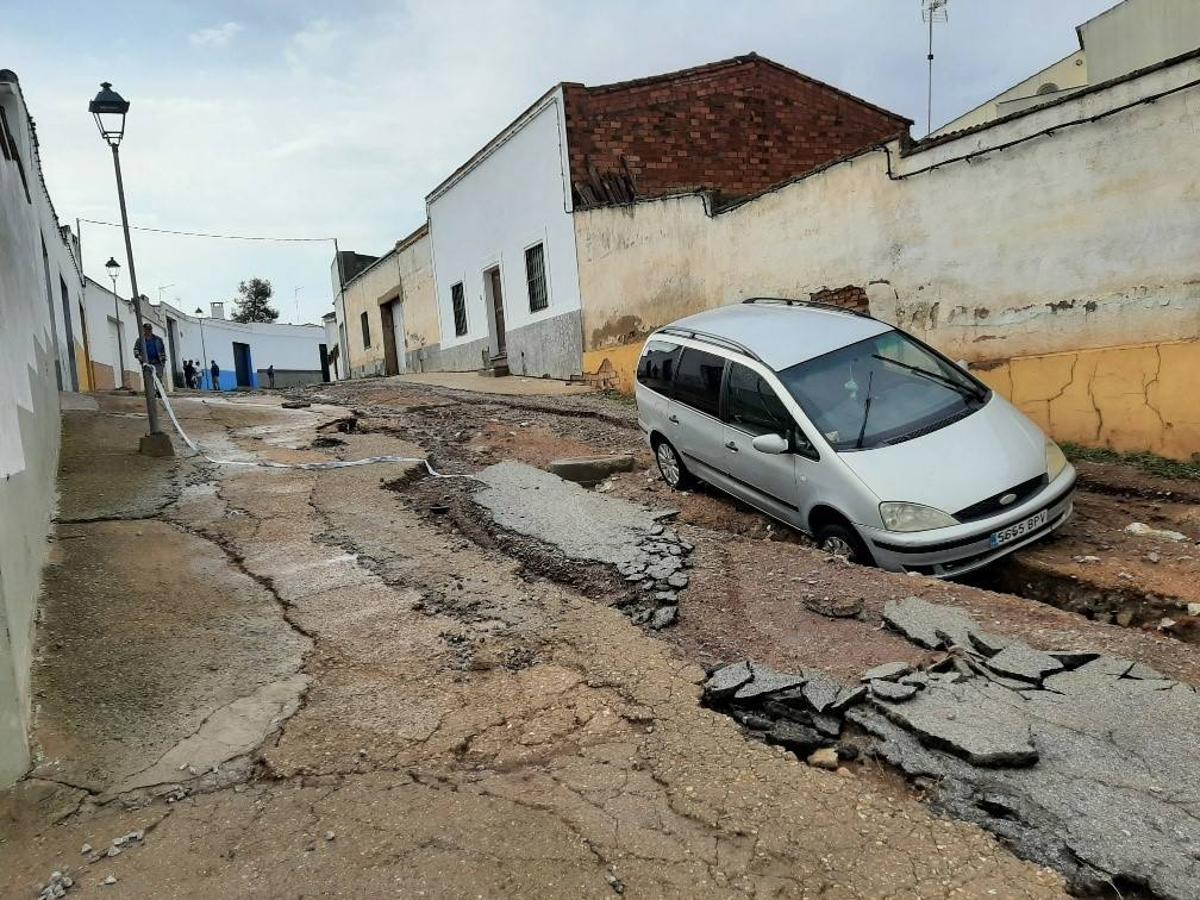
{"points": [[1078, 760]]}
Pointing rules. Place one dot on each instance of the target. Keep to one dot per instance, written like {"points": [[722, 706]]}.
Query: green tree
{"points": [[254, 302]]}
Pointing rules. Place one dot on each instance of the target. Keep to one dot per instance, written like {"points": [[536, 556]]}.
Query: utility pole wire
{"points": [[203, 234]]}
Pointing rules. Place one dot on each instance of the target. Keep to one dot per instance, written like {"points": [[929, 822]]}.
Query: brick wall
{"points": [[736, 127]]}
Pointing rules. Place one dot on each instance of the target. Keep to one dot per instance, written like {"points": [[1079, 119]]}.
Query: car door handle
{"points": [[732, 446], [674, 420]]}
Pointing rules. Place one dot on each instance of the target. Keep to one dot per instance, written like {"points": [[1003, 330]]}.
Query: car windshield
{"points": [[884, 390]]}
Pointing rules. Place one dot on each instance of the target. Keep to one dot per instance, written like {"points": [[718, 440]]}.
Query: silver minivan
{"points": [[850, 430]]}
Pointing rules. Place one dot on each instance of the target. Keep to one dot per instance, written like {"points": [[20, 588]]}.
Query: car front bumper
{"points": [[948, 552]]}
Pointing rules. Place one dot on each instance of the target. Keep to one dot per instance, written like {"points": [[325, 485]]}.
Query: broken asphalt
{"points": [[288, 683]]}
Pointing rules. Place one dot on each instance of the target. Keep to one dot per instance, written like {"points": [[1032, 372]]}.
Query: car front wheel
{"points": [[671, 467], [842, 540]]}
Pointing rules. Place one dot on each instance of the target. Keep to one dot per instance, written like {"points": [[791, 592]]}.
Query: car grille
{"points": [[992, 505]]}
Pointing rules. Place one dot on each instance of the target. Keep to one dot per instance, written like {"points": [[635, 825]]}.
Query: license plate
{"points": [[1019, 529]]}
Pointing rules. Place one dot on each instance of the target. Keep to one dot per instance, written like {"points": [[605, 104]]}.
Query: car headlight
{"points": [[1056, 461], [900, 516]]}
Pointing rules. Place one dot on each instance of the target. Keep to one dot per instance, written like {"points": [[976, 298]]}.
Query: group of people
{"points": [[150, 350], [192, 377]]}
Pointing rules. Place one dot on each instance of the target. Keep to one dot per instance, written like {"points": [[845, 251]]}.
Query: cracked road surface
{"points": [[380, 707]]}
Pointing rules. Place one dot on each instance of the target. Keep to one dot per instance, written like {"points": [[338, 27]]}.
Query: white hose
{"points": [[269, 464]]}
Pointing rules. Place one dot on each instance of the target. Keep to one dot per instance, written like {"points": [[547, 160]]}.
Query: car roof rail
{"points": [[812, 304], [716, 340]]}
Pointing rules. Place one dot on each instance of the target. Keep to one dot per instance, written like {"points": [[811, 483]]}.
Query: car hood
{"points": [[989, 451]]}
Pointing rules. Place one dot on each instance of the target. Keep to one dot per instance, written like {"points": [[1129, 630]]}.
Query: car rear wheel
{"points": [[842, 540], [671, 467]]}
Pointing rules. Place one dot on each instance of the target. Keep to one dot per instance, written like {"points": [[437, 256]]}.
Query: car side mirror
{"points": [[770, 443]]}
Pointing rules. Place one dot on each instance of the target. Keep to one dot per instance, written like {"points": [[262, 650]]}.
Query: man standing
{"points": [[150, 350], [271, 375], [215, 371]]}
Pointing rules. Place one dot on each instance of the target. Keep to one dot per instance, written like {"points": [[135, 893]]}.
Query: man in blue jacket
{"points": [[150, 350]]}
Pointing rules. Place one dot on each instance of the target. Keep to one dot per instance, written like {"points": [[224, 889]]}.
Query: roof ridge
{"points": [[750, 58]]}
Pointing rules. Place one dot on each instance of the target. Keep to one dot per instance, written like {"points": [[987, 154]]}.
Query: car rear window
{"points": [[698, 381], [656, 369]]}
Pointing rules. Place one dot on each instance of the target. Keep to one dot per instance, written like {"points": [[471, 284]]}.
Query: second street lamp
{"points": [[114, 270], [109, 109], [203, 349]]}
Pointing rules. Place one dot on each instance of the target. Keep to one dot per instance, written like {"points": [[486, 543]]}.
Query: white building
{"points": [[504, 252], [243, 352], [43, 347], [112, 331], [1130, 36]]}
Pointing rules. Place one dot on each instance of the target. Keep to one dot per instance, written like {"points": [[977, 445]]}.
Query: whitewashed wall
{"points": [[513, 196], [289, 348], [102, 314], [31, 326]]}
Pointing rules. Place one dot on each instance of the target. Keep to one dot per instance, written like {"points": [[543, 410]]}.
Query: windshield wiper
{"points": [[960, 389], [866, 411]]}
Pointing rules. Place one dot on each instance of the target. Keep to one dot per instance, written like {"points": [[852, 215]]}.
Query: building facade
{"points": [[1054, 250], [243, 352], [502, 237], [1132, 35], [43, 349]]}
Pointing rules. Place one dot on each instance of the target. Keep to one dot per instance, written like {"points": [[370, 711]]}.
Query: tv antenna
{"points": [[932, 11]]}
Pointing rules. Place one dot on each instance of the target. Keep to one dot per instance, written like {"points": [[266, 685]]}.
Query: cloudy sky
{"points": [[294, 118]]}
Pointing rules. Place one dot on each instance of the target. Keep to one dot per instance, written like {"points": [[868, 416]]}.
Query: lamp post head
{"points": [[113, 267], [109, 109]]}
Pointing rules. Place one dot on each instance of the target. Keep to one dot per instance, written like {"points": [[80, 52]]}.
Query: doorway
{"points": [[492, 286], [173, 342], [324, 349], [241, 365], [392, 314]]}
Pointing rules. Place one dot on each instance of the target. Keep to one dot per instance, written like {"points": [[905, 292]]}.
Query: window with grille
{"points": [[535, 277], [366, 327], [459, 302]]}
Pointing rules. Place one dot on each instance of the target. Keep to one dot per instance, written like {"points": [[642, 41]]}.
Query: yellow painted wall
{"points": [[83, 367], [1141, 397], [624, 361]]}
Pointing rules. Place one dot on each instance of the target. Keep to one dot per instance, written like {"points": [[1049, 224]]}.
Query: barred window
{"points": [[535, 277], [459, 302]]}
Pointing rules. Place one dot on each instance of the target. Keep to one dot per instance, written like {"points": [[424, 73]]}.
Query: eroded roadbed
{"points": [[1077, 759], [1080, 765]]}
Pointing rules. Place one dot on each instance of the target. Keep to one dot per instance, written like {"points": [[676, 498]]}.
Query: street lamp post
{"points": [[114, 270], [109, 109], [203, 349]]}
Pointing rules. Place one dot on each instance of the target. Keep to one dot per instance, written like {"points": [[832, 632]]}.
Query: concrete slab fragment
{"points": [[968, 722], [1022, 661], [725, 681], [927, 624], [886, 672], [767, 681]]}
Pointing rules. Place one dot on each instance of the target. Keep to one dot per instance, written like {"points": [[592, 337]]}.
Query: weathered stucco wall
{"points": [[363, 294], [1140, 397], [405, 273], [33, 339], [1083, 239]]}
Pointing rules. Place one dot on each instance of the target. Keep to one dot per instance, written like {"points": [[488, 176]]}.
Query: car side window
{"points": [[753, 406], [656, 368], [698, 380]]}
